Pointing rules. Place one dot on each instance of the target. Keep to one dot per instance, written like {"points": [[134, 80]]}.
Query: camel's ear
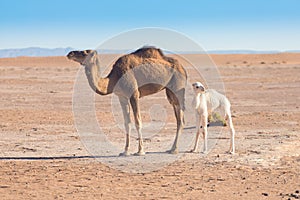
{"points": [[93, 57], [93, 53], [88, 51]]}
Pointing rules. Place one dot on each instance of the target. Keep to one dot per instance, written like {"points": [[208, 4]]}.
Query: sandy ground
{"points": [[42, 155]]}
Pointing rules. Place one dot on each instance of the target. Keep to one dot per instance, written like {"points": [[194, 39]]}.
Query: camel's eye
{"points": [[197, 87]]}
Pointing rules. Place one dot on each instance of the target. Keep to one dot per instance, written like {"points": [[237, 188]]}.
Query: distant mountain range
{"points": [[34, 51], [37, 51]]}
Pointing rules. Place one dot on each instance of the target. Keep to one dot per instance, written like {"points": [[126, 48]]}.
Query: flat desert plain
{"points": [[42, 155]]}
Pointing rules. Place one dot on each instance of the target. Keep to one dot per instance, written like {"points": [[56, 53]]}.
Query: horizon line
{"points": [[205, 50]]}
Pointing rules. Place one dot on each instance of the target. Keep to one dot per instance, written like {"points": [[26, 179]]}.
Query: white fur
{"points": [[206, 102]]}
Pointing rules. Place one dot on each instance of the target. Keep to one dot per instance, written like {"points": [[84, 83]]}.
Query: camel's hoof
{"points": [[204, 152], [140, 153], [191, 151], [231, 152], [173, 151], [125, 153]]}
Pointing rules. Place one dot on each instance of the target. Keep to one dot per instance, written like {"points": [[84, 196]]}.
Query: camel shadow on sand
{"points": [[73, 157]]}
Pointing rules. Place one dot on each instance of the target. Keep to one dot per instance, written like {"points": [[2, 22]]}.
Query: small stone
{"points": [[265, 194], [297, 191]]}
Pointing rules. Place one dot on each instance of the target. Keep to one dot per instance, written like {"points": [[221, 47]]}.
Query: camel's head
{"points": [[85, 57], [198, 87]]}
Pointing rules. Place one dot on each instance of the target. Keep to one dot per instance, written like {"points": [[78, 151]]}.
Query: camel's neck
{"points": [[199, 99], [102, 86]]}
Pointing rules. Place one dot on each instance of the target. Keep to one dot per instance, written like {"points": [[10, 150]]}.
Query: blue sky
{"points": [[214, 24]]}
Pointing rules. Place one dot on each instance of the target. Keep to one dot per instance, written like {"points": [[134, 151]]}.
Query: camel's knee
{"points": [[127, 127], [229, 120], [127, 120], [138, 126]]}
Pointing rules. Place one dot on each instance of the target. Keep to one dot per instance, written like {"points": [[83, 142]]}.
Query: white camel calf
{"points": [[205, 103]]}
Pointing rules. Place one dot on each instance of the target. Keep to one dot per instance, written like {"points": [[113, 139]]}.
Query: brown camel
{"points": [[143, 72]]}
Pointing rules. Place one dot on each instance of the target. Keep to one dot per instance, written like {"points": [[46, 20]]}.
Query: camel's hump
{"points": [[149, 52]]}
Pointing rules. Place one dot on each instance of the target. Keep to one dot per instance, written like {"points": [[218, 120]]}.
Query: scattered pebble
{"points": [[265, 194], [294, 196]]}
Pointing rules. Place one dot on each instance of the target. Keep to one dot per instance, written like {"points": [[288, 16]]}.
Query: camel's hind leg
{"points": [[134, 101], [229, 121], [126, 115], [177, 102]]}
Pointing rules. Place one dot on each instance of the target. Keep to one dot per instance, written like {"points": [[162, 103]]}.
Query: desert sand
{"points": [[42, 157]]}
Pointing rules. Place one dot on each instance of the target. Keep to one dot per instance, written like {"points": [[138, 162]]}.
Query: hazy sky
{"points": [[214, 24]]}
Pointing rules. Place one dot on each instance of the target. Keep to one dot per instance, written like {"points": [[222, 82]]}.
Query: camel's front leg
{"points": [[126, 114], [204, 122], [198, 127], [134, 101]]}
